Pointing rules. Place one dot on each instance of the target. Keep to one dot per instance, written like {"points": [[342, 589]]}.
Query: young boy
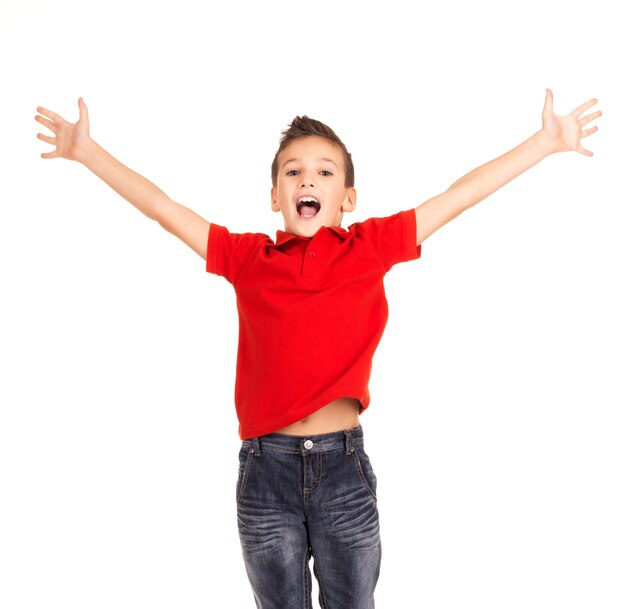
{"points": [[306, 487]]}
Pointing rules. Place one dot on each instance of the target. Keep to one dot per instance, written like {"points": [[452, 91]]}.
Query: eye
{"points": [[293, 172], [325, 172]]}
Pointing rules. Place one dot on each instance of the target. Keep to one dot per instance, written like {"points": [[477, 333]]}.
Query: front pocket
{"points": [[366, 473], [245, 458]]}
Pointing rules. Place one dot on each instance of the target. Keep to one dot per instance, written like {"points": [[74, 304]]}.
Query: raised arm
{"points": [[72, 141], [558, 134]]}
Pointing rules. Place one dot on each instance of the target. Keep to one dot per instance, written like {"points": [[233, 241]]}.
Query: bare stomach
{"points": [[338, 415]]}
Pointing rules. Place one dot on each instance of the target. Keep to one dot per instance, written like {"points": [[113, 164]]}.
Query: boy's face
{"points": [[310, 189]]}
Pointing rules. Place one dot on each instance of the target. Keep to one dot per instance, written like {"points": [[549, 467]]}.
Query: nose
{"points": [[307, 180]]}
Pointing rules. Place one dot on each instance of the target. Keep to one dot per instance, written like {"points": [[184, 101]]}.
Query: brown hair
{"points": [[302, 126]]}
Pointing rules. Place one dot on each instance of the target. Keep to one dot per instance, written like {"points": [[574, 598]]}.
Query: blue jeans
{"points": [[299, 497]]}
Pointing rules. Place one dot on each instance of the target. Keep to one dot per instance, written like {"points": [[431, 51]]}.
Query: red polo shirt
{"points": [[311, 314]]}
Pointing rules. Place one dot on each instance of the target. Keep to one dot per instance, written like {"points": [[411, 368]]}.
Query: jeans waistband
{"points": [[276, 442]]}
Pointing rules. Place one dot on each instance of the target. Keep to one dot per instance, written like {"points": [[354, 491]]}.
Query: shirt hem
{"points": [[212, 262], [262, 429], [412, 249]]}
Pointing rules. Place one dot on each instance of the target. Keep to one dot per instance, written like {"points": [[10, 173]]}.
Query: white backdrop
{"points": [[497, 421]]}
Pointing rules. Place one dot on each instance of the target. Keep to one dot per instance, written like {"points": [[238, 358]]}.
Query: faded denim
{"points": [[303, 497]]}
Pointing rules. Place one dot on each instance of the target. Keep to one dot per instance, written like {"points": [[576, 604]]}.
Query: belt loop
{"points": [[256, 448], [349, 447]]}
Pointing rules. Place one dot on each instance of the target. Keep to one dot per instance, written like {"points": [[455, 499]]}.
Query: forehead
{"points": [[311, 148]]}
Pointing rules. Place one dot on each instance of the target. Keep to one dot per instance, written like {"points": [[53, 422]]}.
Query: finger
{"points": [[46, 123], [49, 155], [52, 115], [47, 139], [589, 131], [82, 111], [549, 103], [587, 119], [585, 151], [578, 111]]}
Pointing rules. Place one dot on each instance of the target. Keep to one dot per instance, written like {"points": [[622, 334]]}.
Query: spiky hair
{"points": [[303, 126]]}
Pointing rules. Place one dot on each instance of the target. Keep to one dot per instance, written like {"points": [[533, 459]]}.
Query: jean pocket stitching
{"points": [[364, 480], [243, 477]]}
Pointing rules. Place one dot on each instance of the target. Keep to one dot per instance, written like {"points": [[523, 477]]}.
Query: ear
{"points": [[349, 201], [275, 205]]}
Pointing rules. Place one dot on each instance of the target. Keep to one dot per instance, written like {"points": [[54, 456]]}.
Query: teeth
{"points": [[307, 206]]}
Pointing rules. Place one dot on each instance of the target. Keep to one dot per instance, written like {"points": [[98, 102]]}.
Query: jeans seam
{"points": [[244, 475], [318, 482], [307, 580], [320, 585], [369, 489]]}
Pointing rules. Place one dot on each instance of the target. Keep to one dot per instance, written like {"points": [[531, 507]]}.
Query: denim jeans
{"points": [[303, 497]]}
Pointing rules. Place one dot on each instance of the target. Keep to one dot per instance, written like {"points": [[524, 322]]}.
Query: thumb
{"points": [[83, 119], [82, 109], [549, 101]]}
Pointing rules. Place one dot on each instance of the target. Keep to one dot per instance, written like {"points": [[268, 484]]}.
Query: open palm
{"points": [[566, 132], [70, 139]]}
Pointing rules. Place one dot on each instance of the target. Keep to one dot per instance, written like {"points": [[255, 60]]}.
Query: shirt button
{"points": [[312, 254], [308, 444]]}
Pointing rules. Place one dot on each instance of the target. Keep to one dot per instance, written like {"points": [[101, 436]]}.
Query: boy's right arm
{"points": [[72, 141]]}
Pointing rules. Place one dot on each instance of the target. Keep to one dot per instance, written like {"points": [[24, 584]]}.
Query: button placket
{"points": [[314, 259]]}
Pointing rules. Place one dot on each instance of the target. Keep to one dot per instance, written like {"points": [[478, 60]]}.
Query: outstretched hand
{"points": [[566, 132], [70, 139]]}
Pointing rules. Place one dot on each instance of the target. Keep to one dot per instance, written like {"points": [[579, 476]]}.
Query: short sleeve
{"points": [[394, 238], [228, 253]]}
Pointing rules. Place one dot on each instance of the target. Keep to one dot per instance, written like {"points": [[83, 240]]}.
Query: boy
{"points": [[306, 487]]}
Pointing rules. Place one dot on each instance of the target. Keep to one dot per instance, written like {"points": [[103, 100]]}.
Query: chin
{"points": [[306, 232], [304, 229]]}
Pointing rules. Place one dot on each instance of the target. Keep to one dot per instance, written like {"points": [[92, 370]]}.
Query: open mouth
{"points": [[307, 207]]}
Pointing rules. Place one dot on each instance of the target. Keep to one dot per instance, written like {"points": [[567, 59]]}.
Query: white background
{"points": [[497, 422]]}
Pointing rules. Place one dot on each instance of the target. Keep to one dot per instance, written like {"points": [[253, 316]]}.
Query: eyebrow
{"points": [[320, 159]]}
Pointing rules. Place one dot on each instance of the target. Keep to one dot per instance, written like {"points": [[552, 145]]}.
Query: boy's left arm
{"points": [[558, 134]]}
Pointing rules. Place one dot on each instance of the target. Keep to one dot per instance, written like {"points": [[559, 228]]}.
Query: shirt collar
{"points": [[284, 237]]}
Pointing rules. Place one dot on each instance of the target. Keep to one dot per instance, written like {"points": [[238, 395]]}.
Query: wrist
{"points": [[546, 143], [88, 154]]}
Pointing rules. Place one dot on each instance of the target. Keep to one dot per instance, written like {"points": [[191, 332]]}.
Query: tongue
{"points": [[307, 210]]}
